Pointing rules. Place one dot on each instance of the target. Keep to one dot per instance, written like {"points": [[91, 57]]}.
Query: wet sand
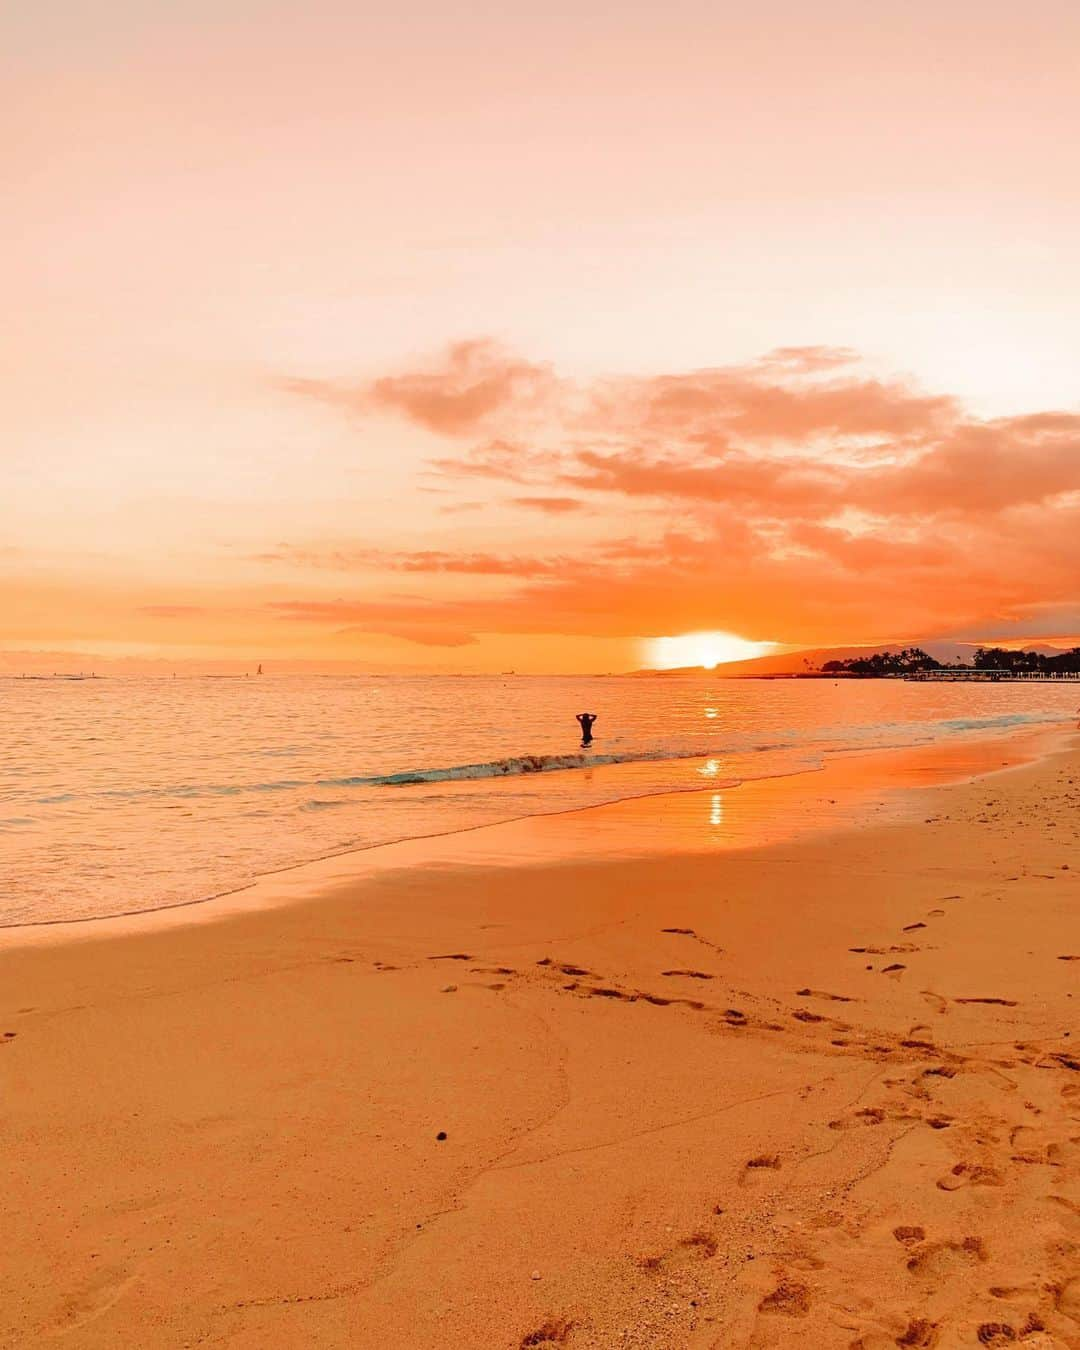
{"points": [[682, 1072]]}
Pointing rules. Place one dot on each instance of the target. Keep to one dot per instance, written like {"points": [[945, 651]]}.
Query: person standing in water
{"points": [[586, 721]]}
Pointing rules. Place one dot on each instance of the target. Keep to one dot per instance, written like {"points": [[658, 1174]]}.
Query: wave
{"points": [[514, 766], [880, 735], [857, 738]]}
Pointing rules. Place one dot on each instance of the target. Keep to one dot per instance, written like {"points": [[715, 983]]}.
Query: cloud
{"points": [[427, 623], [473, 382], [751, 406], [807, 360], [424, 637], [503, 460], [419, 560], [552, 506], [793, 498]]}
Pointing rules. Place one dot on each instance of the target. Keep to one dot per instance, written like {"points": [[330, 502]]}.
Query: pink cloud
{"points": [[792, 497]]}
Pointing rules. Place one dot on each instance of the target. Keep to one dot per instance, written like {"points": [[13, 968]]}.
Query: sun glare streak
{"points": [[706, 649]]}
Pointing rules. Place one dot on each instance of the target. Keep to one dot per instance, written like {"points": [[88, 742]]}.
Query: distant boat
{"points": [[259, 671]]}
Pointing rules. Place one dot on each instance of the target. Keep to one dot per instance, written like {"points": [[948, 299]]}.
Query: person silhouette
{"points": [[586, 721]]}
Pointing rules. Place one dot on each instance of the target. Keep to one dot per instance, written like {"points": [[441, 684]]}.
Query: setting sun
{"points": [[702, 649]]}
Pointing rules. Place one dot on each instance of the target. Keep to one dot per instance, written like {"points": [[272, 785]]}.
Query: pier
{"points": [[978, 673]]}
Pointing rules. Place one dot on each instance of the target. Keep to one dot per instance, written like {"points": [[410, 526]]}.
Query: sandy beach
{"points": [[791, 1065]]}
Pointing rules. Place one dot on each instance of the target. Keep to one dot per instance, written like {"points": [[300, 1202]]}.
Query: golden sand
{"points": [[639, 1077]]}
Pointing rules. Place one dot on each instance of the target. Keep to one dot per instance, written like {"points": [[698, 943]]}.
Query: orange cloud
{"points": [[552, 506], [476, 381], [792, 498], [421, 560]]}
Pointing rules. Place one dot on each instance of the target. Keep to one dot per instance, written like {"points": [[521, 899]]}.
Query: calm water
{"points": [[138, 793]]}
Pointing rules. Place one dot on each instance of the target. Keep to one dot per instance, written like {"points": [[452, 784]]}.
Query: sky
{"points": [[518, 336]]}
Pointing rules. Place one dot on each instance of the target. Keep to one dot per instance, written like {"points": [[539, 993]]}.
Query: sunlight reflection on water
{"points": [[137, 793]]}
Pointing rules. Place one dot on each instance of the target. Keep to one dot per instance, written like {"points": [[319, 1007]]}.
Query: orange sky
{"points": [[509, 336]]}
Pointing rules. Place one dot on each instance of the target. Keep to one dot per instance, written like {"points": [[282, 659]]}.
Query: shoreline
{"points": [[782, 1083], [1025, 744]]}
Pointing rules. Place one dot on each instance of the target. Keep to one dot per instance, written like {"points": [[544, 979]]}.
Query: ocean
{"points": [[125, 794]]}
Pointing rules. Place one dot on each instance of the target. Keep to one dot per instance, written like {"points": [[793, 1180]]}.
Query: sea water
{"points": [[136, 793]]}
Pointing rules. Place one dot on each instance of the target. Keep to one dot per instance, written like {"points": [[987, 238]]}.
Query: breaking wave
{"points": [[846, 737], [881, 735]]}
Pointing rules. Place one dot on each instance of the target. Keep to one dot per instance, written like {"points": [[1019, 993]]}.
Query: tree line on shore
{"points": [[913, 659]]}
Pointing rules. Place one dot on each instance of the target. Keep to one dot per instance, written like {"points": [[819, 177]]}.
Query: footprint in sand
{"points": [[555, 1331], [869, 1115], [936, 1001], [604, 991], [764, 1162], [699, 1246], [764, 1165], [996, 1333], [690, 933], [941, 1071], [1010, 1292], [788, 1299], [565, 968], [1033, 1146], [969, 1174], [937, 1260], [694, 1004], [920, 1334], [1067, 1298]]}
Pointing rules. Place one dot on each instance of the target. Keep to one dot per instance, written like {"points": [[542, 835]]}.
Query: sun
{"points": [[702, 649]]}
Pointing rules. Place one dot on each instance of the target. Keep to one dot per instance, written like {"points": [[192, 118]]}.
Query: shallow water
{"points": [[138, 793]]}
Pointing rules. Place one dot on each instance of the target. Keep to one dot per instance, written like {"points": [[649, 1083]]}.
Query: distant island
{"points": [[911, 660], [887, 662]]}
